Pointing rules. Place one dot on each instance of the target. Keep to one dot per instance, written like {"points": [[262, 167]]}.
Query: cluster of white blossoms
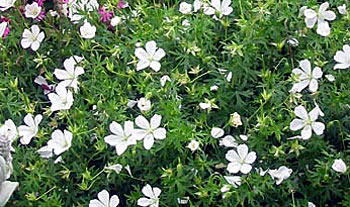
{"points": [[148, 132], [215, 8]]}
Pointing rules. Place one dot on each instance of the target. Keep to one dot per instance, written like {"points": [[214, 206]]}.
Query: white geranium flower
{"points": [[87, 31], [3, 26], [185, 8], [193, 145], [149, 131], [310, 204], [218, 9], [321, 16], [9, 130], [235, 120], [121, 138], [343, 58], [330, 77], [6, 4], [240, 160], [228, 141], [115, 21], [104, 200], [32, 38], [77, 5], [281, 174], [69, 76], [307, 122], [40, 80], [217, 132], [339, 166], [152, 195], [342, 9], [32, 10], [164, 79], [149, 57], [45, 152], [197, 4], [62, 99], [60, 141], [306, 77], [116, 168], [28, 131], [144, 104], [235, 181]]}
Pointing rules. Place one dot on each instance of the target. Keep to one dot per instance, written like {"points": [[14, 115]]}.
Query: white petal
{"points": [[28, 120], [323, 28], [114, 202], [313, 85], [25, 43], [103, 196], [310, 14], [112, 140], [217, 132], [317, 73], [301, 112], [96, 203], [35, 45], [155, 121], [245, 168], [61, 74], [318, 127], [306, 66], [157, 191], [141, 54], [159, 54], [142, 64], [296, 124], [148, 142], [116, 128], [242, 150], [329, 15], [232, 156], [151, 47], [139, 134], [155, 65], [144, 202], [233, 167], [147, 191], [306, 133], [323, 7], [310, 22], [251, 157], [142, 122], [121, 147], [159, 133]]}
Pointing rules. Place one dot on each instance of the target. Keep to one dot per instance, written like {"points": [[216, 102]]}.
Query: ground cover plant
{"points": [[174, 103]]}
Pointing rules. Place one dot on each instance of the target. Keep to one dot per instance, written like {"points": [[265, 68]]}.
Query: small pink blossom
{"points": [[105, 15]]}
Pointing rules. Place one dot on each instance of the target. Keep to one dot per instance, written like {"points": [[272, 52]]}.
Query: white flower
{"points": [[60, 142], [3, 26], [45, 152], [69, 76], [131, 103], [235, 119], [32, 38], [281, 174], [306, 77], [228, 141], [218, 8], [6, 4], [261, 171], [330, 77], [164, 79], [321, 16], [307, 122], [339, 166], [149, 131], [193, 145], [32, 10], [9, 130], [197, 4], [104, 200], [152, 195], [117, 168], [28, 131], [144, 104], [77, 5], [149, 57], [243, 137], [342, 9], [185, 8], [62, 99], [214, 88], [343, 58], [40, 80], [121, 138], [240, 160], [235, 181], [185, 23], [310, 204], [87, 31], [217, 132], [115, 21]]}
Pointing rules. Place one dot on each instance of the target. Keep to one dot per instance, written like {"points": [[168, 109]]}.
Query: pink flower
{"points": [[122, 4], [40, 2], [105, 15], [41, 16]]}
